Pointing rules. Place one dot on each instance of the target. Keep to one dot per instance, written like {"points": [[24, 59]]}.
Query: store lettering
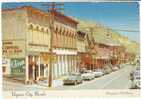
{"points": [[11, 50], [17, 63], [18, 66]]}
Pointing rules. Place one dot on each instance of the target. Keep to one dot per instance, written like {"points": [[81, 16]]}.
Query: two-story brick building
{"points": [[81, 48], [26, 43], [64, 44]]}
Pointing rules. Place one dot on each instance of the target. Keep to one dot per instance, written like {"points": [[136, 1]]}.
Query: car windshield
{"points": [[73, 74], [98, 70], [71, 77], [137, 75], [138, 68], [87, 71]]}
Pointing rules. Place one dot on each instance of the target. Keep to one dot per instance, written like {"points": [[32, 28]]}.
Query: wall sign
{"points": [[18, 66], [5, 62], [13, 49]]}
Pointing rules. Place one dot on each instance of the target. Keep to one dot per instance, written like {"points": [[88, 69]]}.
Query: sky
{"points": [[123, 16]]}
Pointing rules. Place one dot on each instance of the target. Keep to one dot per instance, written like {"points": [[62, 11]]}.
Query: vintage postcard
{"points": [[70, 49]]}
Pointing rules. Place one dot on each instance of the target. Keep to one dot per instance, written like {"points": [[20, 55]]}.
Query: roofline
{"points": [[37, 9], [110, 45], [26, 8], [71, 19]]}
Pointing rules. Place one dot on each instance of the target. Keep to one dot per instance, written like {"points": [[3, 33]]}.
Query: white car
{"points": [[92, 73], [88, 75], [98, 73], [115, 68], [136, 79], [73, 78]]}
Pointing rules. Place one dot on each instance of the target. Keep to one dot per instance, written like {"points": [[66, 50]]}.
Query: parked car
{"points": [[73, 78], [133, 71], [107, 70], [82, 70], [115, 68], [98, 73], [88, 75], [122, 65], [138, 68], [136, 79]]}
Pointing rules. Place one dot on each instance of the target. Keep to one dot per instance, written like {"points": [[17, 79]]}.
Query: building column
{"points": [[33, 72], [56, 68], [61, 62], [53, 73], [67, 59], [45, 69], [75, 62], [64, 60], [61, 65], [69, 63], [27, 70], [66, 65], [39, 60], [57, 65]]}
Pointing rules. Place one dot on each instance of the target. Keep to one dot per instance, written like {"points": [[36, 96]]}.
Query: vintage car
{"points": [[107, 69], [136, 78], [73, 78], [88, 75], [115, 68], [98, 72]]}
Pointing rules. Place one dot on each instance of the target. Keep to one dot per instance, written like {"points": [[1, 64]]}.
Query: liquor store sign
{"points": [[18, 66], [13, 49]]}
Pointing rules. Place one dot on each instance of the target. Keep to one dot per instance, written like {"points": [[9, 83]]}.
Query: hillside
{"points": [[105, 35]]}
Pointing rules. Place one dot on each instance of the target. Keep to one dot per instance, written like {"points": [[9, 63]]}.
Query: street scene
{"points": [[70, 46]]}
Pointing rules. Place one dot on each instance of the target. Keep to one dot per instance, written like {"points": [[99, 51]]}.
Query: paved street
{"points": [[116, 80], [12, 85]]}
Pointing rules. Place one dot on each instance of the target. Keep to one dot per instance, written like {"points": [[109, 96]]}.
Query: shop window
{"points": [[41, 69], [3, 69]]}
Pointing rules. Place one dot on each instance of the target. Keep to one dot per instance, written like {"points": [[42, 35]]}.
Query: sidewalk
{"points": [[55, 83], [17, 82]]}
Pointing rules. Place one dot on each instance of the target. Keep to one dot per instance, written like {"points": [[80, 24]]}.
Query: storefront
{"points": [[64, 62], [6, 70], [18, 67], [13, 56], [86, 61]]}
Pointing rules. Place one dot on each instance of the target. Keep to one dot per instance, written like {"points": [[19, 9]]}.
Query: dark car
{"points": [[82, 70], [73, 78]]}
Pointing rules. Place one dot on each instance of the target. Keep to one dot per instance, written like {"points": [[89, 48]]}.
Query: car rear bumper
{"points": [[68, 82]]}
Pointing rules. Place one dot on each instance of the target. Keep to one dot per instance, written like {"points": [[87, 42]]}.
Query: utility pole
{"points": [[52, 9]]}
